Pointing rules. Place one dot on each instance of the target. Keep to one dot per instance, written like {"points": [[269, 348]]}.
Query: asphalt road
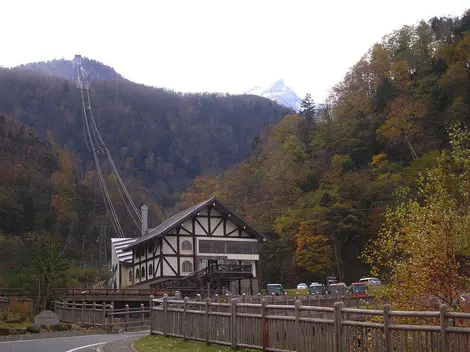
{"points": [[86, 343]]}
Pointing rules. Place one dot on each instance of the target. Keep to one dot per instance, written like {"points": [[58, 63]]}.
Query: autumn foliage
{"points": [[424, 248]]}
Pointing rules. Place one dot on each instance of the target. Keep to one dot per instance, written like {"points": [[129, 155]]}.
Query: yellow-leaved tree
{"points": [[313, 251], [423, 249]]}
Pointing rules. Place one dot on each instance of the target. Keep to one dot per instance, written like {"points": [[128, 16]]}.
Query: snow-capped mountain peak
{"points": [[279, 92]]}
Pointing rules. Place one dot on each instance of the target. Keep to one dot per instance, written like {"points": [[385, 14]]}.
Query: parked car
{"points": [[338, 289], [302, 286], [274, 289], [358, 289], [371, 281], [317, 289]]}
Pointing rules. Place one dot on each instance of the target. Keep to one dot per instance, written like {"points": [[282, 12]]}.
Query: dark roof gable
{"points": [[177, 219]]}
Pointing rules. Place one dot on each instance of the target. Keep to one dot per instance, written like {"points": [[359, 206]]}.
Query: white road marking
{"points": [[82, 347], [71, 337], [49, 338]]}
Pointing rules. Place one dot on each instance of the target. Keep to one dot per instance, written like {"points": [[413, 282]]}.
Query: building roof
{"points": [[178, 219], [118, 244]]}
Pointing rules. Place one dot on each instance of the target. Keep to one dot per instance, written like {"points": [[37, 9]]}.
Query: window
{"points": [[137, 274], [228, 247], [187, 267], [142, 272], [186, 246], [204, 246], [150, 248], [218, 247], [150, 270]]}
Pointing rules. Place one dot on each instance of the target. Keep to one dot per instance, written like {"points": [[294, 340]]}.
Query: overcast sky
{"points": [[201, 45]]}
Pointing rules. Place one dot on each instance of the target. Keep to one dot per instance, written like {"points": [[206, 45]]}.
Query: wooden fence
{"points": [[274, 327], [104, 315]]}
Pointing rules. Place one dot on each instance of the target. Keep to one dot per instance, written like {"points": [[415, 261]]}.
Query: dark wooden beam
{"points": [[171, 266], [194, 244], [202, 227], [161, 257], [178, 248], [209, 232], [217, 226], [169, 244]]}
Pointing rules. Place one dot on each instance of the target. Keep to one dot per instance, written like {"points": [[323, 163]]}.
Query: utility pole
{"points": [[103, 245]]}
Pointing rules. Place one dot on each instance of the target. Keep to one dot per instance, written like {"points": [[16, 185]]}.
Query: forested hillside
{"points": [[318, 187], [39, 192], [160, 139]]}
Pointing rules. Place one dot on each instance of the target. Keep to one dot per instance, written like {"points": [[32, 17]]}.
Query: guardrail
{"points": [[307, 328]]}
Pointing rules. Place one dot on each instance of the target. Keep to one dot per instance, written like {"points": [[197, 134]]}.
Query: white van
{"points": [[371, 281]]}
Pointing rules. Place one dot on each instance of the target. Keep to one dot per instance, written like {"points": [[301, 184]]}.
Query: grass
{"points": [[167, 344], [24, 324]]}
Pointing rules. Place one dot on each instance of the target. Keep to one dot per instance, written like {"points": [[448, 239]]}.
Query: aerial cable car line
{"points": [[96, 144], [110, 212], [95, 139], [120, 183], [119, 180]]}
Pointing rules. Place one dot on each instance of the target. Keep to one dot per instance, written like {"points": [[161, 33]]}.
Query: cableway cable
{"points": [[96, 144]]}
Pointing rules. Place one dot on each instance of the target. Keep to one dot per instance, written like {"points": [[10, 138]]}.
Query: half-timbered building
{"points": [[205, 247]]}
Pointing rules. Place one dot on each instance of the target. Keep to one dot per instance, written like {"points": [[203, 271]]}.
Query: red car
{"points": [[358, 289]]}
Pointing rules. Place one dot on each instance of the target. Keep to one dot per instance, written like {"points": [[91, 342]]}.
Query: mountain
{"points": [[95, 71], [159, 139], [279, 93]]}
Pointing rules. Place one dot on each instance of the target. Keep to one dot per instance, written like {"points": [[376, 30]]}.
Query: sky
{"points": [[211, 46]]}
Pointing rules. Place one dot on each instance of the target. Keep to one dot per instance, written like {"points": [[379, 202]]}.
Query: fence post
{"points": [[264, 326], [178, 295], [233, 322], [208, 327], [103, 312], [127, 316], [142, 312], [165, 315], [387, 331], [31, 310], [151, 313], [297, 333], [83, 311], [93, 320], [338, 327], [444, 320], [185, 317], [111, 316]]}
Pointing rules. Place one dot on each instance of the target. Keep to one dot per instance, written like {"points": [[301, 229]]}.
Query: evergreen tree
{"points": [[308, 108]]}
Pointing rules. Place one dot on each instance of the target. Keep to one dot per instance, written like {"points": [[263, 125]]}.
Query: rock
{"points": [[59, 327], [34, 328], [75, 327], [6, 330], [46, 317], [22, 331]]}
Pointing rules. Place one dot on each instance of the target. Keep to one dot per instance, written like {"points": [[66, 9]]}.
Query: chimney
{"points": [[145, 224]]}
